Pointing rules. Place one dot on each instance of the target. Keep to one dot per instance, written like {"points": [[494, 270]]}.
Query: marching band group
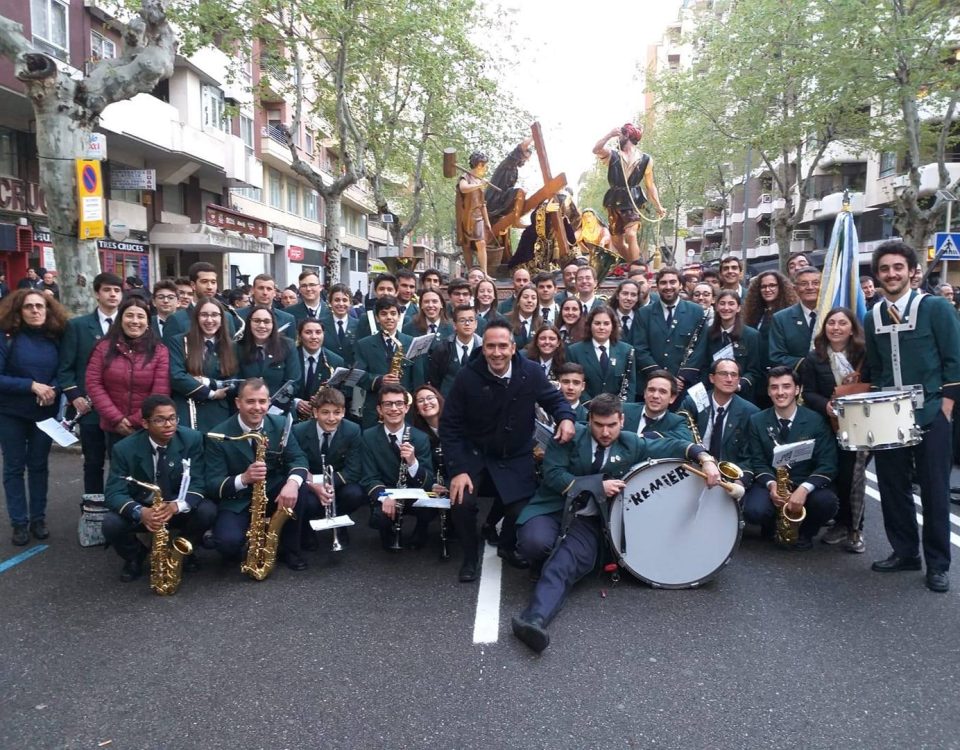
{"points": [[173, 390]]}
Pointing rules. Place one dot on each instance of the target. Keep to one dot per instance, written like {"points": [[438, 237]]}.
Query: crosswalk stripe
{"points": [[954, 537], [954, 518]]}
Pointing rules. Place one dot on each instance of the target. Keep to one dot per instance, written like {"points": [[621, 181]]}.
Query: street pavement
{"points": [[369, 650]]}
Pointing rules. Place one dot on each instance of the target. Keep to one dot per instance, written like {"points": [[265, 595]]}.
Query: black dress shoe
{"points": [[938, 580], [39, 529], [469, 571], [531, 632], [132, 570], [191, 564], [895, 563], [21, 536], [490, 535], [293, 561], [514, 559]]}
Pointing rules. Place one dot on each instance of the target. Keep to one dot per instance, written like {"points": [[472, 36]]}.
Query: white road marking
{"points": [[486, 626], [954, 537], [954, 519]]}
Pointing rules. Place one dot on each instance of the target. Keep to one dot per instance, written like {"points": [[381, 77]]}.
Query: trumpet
{"points": [[331, 510], [402, 485]]}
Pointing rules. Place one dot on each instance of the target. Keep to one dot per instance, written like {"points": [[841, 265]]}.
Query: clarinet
{"points": [[691, 345], [444, 553], [401, 485], [625, 380]]}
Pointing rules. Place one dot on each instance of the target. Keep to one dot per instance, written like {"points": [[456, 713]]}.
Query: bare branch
{"points": [[12, 42]]}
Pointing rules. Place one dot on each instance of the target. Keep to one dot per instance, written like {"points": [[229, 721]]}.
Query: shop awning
{"points": [[207, 238]]}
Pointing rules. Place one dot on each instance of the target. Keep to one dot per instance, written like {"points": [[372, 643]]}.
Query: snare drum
{"points": [[876, 421], [669, 530]]}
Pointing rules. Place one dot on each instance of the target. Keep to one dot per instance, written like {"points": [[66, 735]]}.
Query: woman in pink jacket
{"points": [[126, 366]]}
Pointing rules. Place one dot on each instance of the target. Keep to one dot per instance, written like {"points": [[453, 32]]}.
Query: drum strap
{"points": [[894, 330]]}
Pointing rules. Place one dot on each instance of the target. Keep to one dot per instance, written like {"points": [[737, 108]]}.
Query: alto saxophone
{"points": [[788, 529], [263, 536], [166, 553], [401, 485], [396, 361]]}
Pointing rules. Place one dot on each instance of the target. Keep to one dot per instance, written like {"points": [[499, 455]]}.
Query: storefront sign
{"points": [[133, 179], [295, 253], [226, 218], [22, 197], [127, 246], [96, 147]]}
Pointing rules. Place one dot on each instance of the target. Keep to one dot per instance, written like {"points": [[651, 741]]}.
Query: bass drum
{"points": [[669, 529]]}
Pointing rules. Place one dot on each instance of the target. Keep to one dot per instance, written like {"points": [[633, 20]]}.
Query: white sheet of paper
{"points": [[420, 345], [699, 395], [337, 522], [442, 503], [790, 453], [543, 434], [412, 493], [56, 431], [184, 481], [345, 376], [725, 353], [274, 410]]}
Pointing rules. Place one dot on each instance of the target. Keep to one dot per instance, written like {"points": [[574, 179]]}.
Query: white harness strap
{"points": [[894, 330]]}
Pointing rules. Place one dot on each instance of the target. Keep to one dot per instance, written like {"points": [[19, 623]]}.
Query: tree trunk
{"points": [[332, 217], [781, 232]]}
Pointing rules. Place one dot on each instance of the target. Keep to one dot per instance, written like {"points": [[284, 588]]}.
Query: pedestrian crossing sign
{"points": [[949, 243]]}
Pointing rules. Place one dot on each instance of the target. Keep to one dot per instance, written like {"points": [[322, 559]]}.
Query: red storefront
{"points": [[22, 208], [128, 258]]}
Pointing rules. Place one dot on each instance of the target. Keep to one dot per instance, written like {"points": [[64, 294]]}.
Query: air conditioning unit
{"points": [[800, 235], [763, 241]]}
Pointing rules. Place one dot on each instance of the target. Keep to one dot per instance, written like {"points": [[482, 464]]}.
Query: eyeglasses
{"points": [[185, 294], [35, 306], [466, 320], [210, 316], [261, 322], [431, 399], [160, 421], [392, 404], [769, 286], [165, 297]]}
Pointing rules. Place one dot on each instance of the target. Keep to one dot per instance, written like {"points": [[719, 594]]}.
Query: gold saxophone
{"points": [[396, 361], [728, 470], [166, 553], [263, 537], [788, 529]]}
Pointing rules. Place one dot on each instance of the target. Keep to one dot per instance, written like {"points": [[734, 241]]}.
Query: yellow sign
{"points": [[89, 200]]}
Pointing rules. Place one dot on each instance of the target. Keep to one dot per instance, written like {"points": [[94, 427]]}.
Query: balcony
{"points": [[831, 205], [763, 247], [274, 81]]}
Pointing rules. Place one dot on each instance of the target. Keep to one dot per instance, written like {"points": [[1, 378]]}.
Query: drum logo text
{"points": [[672, 477]]}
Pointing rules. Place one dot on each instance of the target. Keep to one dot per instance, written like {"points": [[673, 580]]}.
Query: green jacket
{"points": [[186, 387], [621, 354], [659, 347], [76, 346], [819, 470], [277, 371], [344, 453], [371, 356], [381, 467], [789, 338]]}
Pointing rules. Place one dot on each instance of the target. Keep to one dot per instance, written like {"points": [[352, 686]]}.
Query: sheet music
{"points": [[543, 434], [443, 503], [184, 482], [410, 493], [790, 453], [725, 353], [325, 524], [345, 376], [700, 397], [420, 345], [55, 430]]}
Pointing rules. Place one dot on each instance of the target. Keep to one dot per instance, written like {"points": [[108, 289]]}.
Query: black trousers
{"points": [[483, 486], [932, 457], [230, 528], [93, 442], [121, 532], [384, 524], [821, 506]]}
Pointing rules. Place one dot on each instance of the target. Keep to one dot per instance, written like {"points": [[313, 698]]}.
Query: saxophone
{"points": [[787, 529], [401, 485], [263, 537], [396, 361], [166, 553]]}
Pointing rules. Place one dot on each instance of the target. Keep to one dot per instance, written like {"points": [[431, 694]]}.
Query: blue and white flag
{"points": [[840, 283]]}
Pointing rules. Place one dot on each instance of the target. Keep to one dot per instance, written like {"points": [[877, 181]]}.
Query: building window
{"points": [[246, 132], [251, 193], [276, 189], [101, 48], [213, 108], [310, 204], [293, 197], [8, 153], [888, 163], [172, 198], [308, 143], [48, 18]]}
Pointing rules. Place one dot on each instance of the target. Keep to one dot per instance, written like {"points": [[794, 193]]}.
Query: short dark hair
{"points": [[198, 268], [864, 279], [605, 405], [477, 157], [709, 273], [339, 289], [252, 383], [894, 247], [713, 365], [405, 273], [181, 281], [781, 371], [150, 404], [570, 368], [387, 388], [666, 375], [461, 308], [132, 281], [496, 324], [106, 279], [305, 321], [430, 272], [385, 303], [304, 274], [385, 277], [264, 277], [542, 277], [167, 284], [729, 259], [668, 271], [457, 283], [328, 396]]}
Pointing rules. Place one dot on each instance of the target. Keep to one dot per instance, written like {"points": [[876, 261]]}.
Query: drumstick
{"points": [[736, 491]]}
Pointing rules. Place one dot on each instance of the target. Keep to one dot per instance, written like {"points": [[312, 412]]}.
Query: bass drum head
{"points": [[669, 530]]}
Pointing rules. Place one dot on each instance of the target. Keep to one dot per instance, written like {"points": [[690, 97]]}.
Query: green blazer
{"points": [[227, 459], [670, 425], [299, 312], [363, 321], [789, 337], [584, 354], [819, 470], [179, 323], [133, 457], [331, 340], [277, 371], [929, 354], [564, 463], [749, 355], [381, 467], [736, 427], [419, 371], [344, 453], [372, 357], [76, 346], [186, 387], [659, 347]]}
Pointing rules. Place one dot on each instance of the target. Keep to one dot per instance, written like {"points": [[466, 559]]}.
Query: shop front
{"points": [[128, 258]]}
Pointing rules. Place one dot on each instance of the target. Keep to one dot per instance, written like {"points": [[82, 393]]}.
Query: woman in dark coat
{"points": [[32, 324]]}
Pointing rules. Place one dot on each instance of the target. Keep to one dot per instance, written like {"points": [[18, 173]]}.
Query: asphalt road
{"points": [[370, 650]]}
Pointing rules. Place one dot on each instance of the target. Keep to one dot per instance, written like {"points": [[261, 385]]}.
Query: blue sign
{"points": [[950, 243]]}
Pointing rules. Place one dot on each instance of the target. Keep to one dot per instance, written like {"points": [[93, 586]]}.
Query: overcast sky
{"points": [[577, 72]]}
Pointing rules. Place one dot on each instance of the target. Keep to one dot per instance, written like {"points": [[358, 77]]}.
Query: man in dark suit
{"points": [[264, 293], [791, 330], [339, 328], [81, 336], [546, 298], [389, 451], [924, 330], [489, 451], [562, 534], [811, 479], [725, 425], [521, 277], [374, 355], [311, 306], [663, 332], [652, 417], [232, 473], [446, 357], [317, 362], [31, 281], [328, 440], [156, 455], [166, 303], [385, 285]]}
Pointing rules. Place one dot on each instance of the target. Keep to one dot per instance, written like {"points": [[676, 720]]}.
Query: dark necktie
{"points": [[388, 342], [523, 330], [395, 445], [784, 430], [669, 315], [208, 349], [716, 437], [311, 374], [340, 333], [160, 324], [402, 310], [597, 459], [725, 337], [625, 323], [894, 313], [260, 354], [604, 360], [325, 445], [311, 313], [463, 357], [109, 322], [163, 479], [546, 314], [433, 328], [813, 320]]}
